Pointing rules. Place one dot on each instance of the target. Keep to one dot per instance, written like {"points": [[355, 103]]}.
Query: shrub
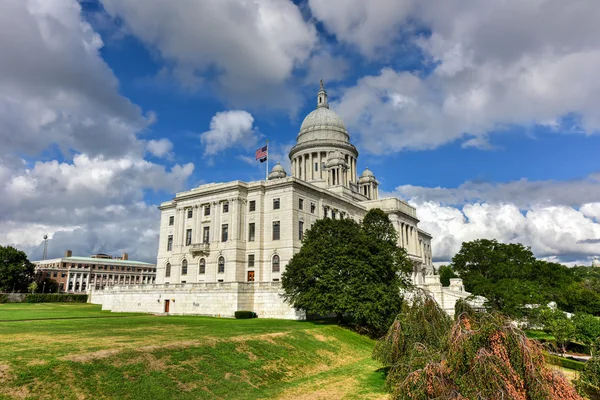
{"points": [[3, 298], [245, 314], [55, 298], [588, 383], [565, 362], [478, 357]]}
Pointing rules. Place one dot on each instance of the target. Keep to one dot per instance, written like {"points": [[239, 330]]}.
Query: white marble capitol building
{"points": [[224, 246]]}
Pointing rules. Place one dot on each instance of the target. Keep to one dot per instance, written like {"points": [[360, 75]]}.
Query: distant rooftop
{"points": [[97, 260]]}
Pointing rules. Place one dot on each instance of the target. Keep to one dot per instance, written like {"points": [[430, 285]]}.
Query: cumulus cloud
{"points": [[229, 129], [56, 92], [495, 64], [522, 193], [91, 202], [160, 148], [54, 86], [559, 220], [250, 47], [371, 26]]}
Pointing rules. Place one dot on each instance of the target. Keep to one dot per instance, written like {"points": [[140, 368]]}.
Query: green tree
{"points": [[16, 272], [344, 268], [446, 273], [587, 328], [509, 276], [560, 326]]}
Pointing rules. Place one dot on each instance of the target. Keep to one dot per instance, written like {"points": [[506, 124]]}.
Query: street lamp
{"points": [[44, 287]]}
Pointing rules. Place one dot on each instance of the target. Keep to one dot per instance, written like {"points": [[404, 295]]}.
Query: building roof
{"points": [[323, 123], [98, 261]]}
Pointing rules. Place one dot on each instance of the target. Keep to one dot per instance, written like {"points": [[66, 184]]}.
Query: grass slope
{"points": [[132, 356]]}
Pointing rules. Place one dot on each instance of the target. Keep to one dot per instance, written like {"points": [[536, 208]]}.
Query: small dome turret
{"points": [[367, 176], [277, 172]]}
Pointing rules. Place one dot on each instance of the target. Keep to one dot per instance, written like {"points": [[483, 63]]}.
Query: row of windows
{"points": [[225, 234], [275, 265], [251, 208]]}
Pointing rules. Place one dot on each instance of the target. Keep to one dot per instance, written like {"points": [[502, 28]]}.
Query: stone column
{"points": [[402, 235], [233, 220], [195, 224]]}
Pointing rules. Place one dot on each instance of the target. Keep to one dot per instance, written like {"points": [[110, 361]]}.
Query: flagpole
{"points": [[267, 173]]}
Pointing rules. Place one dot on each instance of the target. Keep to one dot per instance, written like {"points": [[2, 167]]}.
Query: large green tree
{"points": [[344, 268], [510, 277], [16, 272]]}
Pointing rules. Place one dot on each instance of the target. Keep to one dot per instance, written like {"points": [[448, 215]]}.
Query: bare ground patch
{"points": [[88, 357]]}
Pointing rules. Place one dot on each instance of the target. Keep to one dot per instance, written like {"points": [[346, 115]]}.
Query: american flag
{"points": [[261, 154]]}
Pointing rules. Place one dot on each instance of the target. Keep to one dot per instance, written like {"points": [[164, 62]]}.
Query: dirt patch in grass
{"points": [[325, 389], [16, 393], [37, 362], [149, 360], [321, 390], [88, 357], [244, 349], [4, 373]]}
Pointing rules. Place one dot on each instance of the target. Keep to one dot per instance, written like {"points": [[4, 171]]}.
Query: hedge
{"points": [[55, 298], [564, 362], [245, 314]]}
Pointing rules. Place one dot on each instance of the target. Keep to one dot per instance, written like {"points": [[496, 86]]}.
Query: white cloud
{"points": [[89, 203], [229, 129], [250, 47], [160, 148], [522, 193], [495, 64], [557, 219], [56, 91], [370, 25]]}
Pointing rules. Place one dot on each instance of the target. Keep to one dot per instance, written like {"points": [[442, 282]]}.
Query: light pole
{"points": [[44, 288]]}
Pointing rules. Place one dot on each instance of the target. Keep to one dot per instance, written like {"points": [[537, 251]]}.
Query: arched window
{"points": [[221, 265], [275, 263], [167, 270], [202, 267], [184, 267]]}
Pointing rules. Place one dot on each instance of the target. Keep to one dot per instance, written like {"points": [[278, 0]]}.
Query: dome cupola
{"points": [[277, 172], [323, 123]]}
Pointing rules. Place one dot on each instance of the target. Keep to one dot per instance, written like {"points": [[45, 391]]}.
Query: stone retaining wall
{"points": [[212, 299]]}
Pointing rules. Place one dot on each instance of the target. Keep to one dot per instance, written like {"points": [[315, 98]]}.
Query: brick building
{"points": [[77, 274]]}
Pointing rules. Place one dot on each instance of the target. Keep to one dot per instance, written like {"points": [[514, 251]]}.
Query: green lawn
{"points": [[139, 356]]}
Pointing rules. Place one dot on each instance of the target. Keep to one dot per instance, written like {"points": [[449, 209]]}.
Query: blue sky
{"points": [[482, 114]]}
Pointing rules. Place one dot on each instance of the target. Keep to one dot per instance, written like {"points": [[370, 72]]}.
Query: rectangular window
{"points": [[252, 205], [250, 260], [206, 211], [251, 231], [332, 214], [190, 213], [313, 207], [226, 207], [170, 243], [276, 230], [171, 220], [300, 204], [224, 232], [300, 230], [188, 237], [275, 204], [316, 166], [206, 235]]}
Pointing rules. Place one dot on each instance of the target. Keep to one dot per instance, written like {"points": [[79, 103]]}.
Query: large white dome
{"points": [[323, 124], [322, 118]]}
